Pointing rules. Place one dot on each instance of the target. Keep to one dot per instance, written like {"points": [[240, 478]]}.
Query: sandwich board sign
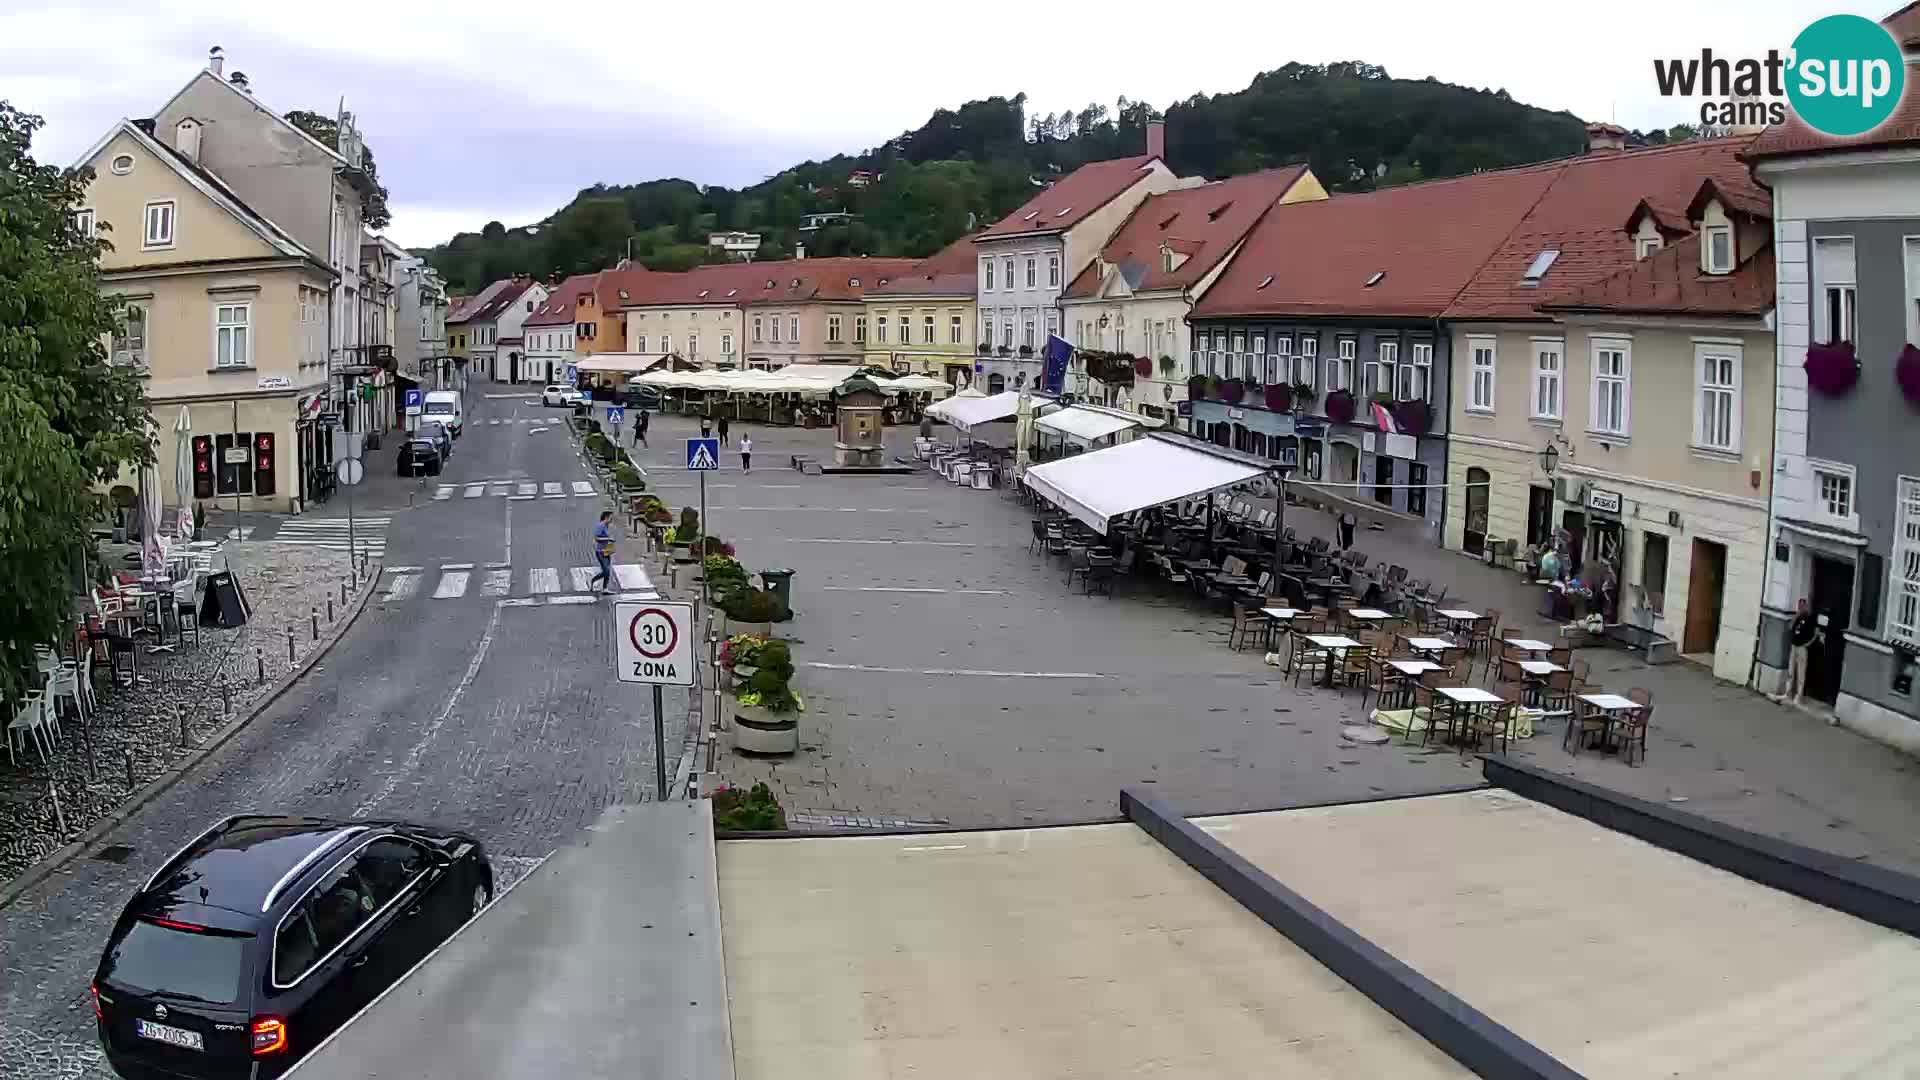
{"points": [[703, 455], [653, 642]]}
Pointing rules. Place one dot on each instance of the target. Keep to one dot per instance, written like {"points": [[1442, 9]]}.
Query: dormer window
{"points": [[1538, 268], [1375, 278], [1064, 211], [1264, 282], [1031, 214], [1644, 246], [1717, 248], [853, 283], [1166, 260], [703, 294]]}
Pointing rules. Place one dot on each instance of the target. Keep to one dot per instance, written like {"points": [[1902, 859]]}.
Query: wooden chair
{"points": [[1497, 657], [1562, 655], [1304, 655], [1356, 663], [1494, 723], [1383, 681], [1633, 727], [1247, 621], [1439, 711], [1585, 719]]}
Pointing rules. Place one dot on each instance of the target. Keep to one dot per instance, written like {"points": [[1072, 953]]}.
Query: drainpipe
{"points": [[1446, 455], [1773, 437]]}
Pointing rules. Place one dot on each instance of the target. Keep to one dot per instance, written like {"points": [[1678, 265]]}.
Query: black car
{"points": [[419, 456], [440, 432], [266, 933], [640, 397]]}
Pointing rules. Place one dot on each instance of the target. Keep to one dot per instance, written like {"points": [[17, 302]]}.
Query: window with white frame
{"points": [[1006, 333], [954, 330], [83, 222], [130, 335], [1379, 371], [1833, 289], [640, 342], [1716, 414], [926, 329], [1719, 242], [1833, 498], [986, 275], [1913, 289], [1053, 271], [1340, 368], [1032, 268], [833, 328], [1644, 246], [693, 346], [159, 232], [860, 329], [1053, 323], [1006, 270], [1283, 353], [758, 335], [903, 330], [1549, 373], [1026, 332], [1276, 373], [986, 330], [1260, 344], [880, 329], [1483, 355], [773, 330], [231, 323], [666, 343], [1903, 583], [1416, 376], [1307, 361], [1195, 363], [1612, 379], [726, 345], [793, 329]]}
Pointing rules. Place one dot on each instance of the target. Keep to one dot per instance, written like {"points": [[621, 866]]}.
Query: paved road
{"points": [[505, 719]]}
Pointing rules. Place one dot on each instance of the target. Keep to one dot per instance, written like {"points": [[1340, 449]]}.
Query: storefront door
{"points": [[1706, 589], [1474, 540], [1539, 515], [1608, 548], [1830, 598]]}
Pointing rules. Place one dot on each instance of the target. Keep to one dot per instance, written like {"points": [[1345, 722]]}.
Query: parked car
{"points": [[563, 396], [266, 933], [640, 397], [446, 407], [419, 456], [440, 433]]}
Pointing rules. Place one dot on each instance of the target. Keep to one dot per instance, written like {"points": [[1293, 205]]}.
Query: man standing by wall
{"points": [[1800, 635]]}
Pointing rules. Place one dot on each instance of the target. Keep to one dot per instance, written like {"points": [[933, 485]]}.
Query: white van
{"points": [[444, 406]]}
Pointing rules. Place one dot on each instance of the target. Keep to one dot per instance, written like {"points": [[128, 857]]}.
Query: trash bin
{"points": [[779, 582]]}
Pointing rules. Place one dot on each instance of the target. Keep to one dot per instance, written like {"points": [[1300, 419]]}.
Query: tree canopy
{"points": [[68, 418], [1358, 127], [373, 202]]}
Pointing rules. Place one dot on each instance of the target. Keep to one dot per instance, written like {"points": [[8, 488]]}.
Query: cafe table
{"points": [[1277, 616], [1410, 670], [1470, 696], [1614, 706], [1333, 643], [1528, 645], [1367, 614], [1537, 672], [1456, 616], [1432, 646]]}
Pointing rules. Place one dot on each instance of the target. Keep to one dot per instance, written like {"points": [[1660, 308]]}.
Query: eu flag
{"points": [[1054, 378]]}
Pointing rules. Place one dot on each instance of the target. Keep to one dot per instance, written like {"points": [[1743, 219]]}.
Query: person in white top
{"points": [[746, 454]]}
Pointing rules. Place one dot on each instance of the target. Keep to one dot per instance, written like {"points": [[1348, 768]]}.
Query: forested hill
{"points": [[1357, 127]]}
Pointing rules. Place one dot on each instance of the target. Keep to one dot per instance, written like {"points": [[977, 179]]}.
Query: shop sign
{"points": [[1607, 502], [273, 382]]}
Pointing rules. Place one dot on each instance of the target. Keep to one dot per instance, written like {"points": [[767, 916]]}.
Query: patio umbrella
{"points": [[183, 466], [1022, 432], [151, 560]]}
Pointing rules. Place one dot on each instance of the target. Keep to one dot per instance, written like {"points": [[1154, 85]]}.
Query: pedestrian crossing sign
{"points": [[703, 455], [615, 414]]}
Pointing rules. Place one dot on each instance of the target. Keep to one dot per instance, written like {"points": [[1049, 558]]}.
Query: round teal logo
{"points": [[1847, 75]]}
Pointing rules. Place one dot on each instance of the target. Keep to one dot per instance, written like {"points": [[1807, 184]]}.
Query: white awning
{"points": [[614, 363], [1084, 425], [967, 413], [1104, 484]]}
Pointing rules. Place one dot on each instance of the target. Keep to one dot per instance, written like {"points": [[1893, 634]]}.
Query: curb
{"points": [[159, 785]]}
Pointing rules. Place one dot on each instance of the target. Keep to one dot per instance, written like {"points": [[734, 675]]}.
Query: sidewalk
{"points": [[1714, 748]]}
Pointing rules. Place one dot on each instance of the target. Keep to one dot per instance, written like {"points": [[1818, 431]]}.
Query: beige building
{"points": [[226, 314], [1654, 388], [923, 321], [759, 315]]}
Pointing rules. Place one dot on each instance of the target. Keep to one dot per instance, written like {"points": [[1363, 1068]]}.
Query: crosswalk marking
{"points": [[529, 488], [498, 583], [571, 599], [369, 534], [582, 488], [444, 491], [544, 580], [551, 490], [499, 487], [474, 491], [632, 577], [583, 577], [453, 583], [402, 587]]}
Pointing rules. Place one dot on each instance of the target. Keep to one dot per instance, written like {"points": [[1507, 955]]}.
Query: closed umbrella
{"points": [[183, 468], [151, 561], [1022, 433]]}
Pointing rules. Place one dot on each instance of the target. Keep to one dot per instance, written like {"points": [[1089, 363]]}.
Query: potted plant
{"points": [[628, 477], [766, 714], [1197, 387], [1232, 391], [1302, 393], [740, 657], [1381, 398], [1413, 416], [751, 611], [753, 810], [1832, 369], [1279, 397], [1339, 406], [684, 534], [1026, 350], [1906, 372], [1142, 367], [1005, 351]]}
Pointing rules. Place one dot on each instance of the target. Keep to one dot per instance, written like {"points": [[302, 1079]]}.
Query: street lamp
{"points": [[1549, 458]]}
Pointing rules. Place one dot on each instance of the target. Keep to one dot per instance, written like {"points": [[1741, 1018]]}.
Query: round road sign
{"points": [[653, 633]]}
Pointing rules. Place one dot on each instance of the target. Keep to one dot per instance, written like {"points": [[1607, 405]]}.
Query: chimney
{"points": [[1157, 138], [1602, 138], [799, 251], [239, 81], [217, 60], [186, 139]]}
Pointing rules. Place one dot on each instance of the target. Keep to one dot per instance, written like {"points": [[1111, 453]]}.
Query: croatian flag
{"points": [[1385, 419], [1053, 377]]}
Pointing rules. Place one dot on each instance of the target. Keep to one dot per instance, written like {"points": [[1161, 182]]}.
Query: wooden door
{"points": [[1706, 587], [1474, 539]]}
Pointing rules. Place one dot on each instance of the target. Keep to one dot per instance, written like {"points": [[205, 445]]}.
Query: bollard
{"points": [[313, 614], [86, 736], [182, 710], [343, 594], [260, 663], [226, 700], [59, 815], [129, 770], [329, 609], [289, 646]]}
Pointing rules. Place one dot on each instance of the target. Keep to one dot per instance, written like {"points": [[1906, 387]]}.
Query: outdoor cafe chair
{"points": [[1356, 664], [1170, 573], [1100, 577], [1039, 542], [63, 682], [1633, 725], [1077, 562], [1585, 720], [1304, 655], [1247, 621], [1493, 723], [30, 722]]}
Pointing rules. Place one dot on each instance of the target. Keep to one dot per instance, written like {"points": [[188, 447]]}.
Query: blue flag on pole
{"points": [[1054, 378]]}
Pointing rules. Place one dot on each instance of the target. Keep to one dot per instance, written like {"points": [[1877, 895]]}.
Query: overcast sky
{"points": [[502, 111]]}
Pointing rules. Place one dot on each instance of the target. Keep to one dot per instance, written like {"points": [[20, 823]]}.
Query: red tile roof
{"points": [[557, 309], [1669, 282], [1315, 258], [785, 282], [1071, 198], [630, 279], [1904, 25], [1203, 223], [1579, 216], [947, 272], [491, 301]]}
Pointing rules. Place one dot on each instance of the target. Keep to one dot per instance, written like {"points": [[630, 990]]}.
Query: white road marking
{"points": [[521, 498], [959, 671], [497, 583], [836, 540], [401, 588], [830, 509], [427, 734], [632, 576], [493, 423], [403, 569], [520, 601], [529, 489], [474, 491], [544, 579], [551, 487], [499, 487], [908, 589], [456, 566], [583, 577], [535, 431], [452, 583], [936, 847], [444, 491], [582, 487], [588, 599]]}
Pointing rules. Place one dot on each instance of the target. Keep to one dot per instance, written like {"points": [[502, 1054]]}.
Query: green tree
{"points": [[373, 200], [67, 417]]}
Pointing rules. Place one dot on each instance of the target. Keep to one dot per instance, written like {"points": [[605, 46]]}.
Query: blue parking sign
{"points": [[615, 414], [413, 401], [703, 455]]}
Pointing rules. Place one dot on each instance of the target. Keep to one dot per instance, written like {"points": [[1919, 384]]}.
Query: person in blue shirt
{"points": [[603, 553]]}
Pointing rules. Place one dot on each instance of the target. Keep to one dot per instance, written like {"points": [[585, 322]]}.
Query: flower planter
{"points": [[1832, 369], [735, 626], [1279, 398], [737, 675], [1197, 387], [1340, 406], [1412, 417], [1906, 372], [757, 731], [1142, 367], [1232, 391]]}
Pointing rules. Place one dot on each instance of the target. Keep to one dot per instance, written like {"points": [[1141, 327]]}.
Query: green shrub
{"points": [[751, 605], [689, 523], [628, 477], [754, 810], [774, 655], [768, 690]]}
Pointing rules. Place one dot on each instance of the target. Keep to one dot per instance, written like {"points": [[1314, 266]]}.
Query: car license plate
{"points": [[170, 1035]]}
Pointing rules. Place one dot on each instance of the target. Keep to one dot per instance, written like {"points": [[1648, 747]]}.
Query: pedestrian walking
{"points": [[603, 553], [1347, 522], [1800, 635], [640, 430], [723, 431], [746, 454]]}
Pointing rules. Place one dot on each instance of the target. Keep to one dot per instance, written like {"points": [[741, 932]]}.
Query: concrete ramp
{"points": [[604, 962]]}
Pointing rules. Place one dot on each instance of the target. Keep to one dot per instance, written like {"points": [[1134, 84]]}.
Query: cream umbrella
{"points": [[183, 468], [1022, 433]]}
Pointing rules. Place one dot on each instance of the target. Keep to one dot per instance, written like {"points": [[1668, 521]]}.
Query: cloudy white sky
{"points": [[502, 111]]}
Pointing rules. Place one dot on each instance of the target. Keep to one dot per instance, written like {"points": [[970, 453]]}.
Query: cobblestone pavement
{"points": [[137, 732], [952, 676], [503, 720]]}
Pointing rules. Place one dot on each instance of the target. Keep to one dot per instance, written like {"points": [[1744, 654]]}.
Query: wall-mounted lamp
{"points": [[1549, 459]]}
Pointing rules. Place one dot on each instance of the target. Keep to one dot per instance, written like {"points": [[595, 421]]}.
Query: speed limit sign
{"points": [[653, 642]]}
